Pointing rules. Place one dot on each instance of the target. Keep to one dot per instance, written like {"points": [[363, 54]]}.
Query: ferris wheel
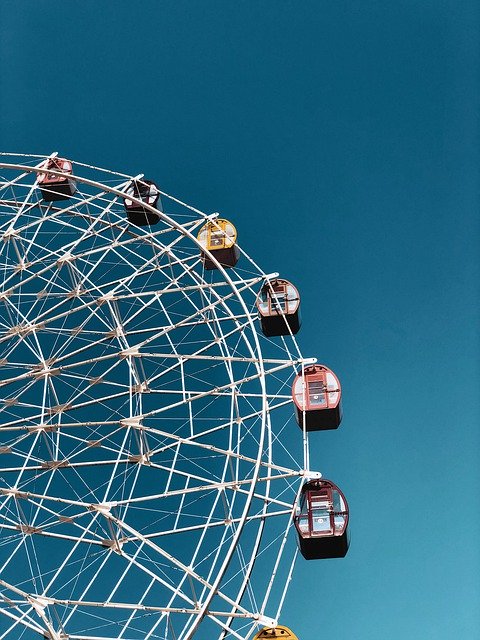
{"points": [[150, 464]]}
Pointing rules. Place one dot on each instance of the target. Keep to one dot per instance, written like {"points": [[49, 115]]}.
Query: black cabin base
{"points": [[142, 217], [226, 257], [320, 419], [278, 325], [58, 190], [324, 547]]}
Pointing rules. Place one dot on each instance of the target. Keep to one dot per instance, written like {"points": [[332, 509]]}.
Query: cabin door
{"points": [[316, 392], [321, 515], [278, 299]]}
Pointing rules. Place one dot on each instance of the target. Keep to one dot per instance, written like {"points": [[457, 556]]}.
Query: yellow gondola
{"points": [[275, 632], [219, 237]]}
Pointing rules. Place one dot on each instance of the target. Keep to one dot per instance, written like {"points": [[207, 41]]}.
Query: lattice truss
{"points": [[146, 482]]}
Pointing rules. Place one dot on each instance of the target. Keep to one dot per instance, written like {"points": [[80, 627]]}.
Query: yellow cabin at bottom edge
{"points": [[275, 632]]}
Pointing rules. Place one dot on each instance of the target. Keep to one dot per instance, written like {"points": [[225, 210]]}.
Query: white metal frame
{"points": [[49, 404]]}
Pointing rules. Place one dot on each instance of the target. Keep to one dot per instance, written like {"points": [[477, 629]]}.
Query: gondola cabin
{"points": [[322, 521], [148, 193], [219, 238], [54, 187], [267, 633], [278, 306], [317, 396]]}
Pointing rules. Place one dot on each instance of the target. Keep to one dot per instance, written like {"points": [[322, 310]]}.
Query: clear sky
{"points": [[342, 139]]}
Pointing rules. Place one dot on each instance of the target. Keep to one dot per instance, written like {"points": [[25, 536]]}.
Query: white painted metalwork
{"points": [[149, 465]]}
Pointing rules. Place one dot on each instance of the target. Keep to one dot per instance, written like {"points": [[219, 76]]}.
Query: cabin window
{"points": [[278, 301], [339, 509], [292, 299], [217, 235], [320, 506], [229, 235], [322, 513], [217, 238], [152, 193], [316, 393], [302, 520], [263, 302]]}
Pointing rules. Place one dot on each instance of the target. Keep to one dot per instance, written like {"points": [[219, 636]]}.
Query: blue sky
{"points": [[342, 139]]}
